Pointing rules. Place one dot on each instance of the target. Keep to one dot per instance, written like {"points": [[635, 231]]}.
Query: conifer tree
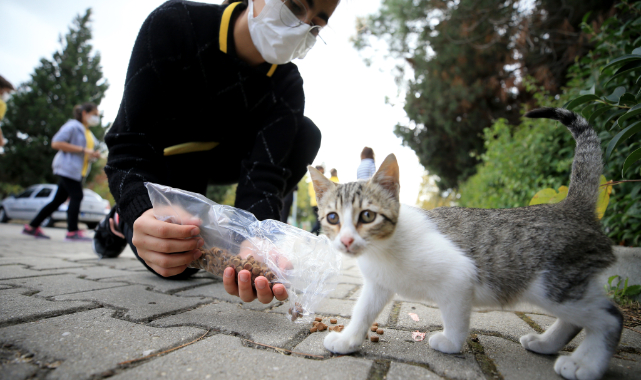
{"points": [[40, 106]]}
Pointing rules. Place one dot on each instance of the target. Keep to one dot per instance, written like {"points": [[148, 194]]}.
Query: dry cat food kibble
{"points": [[318, 319], [375, 324], [313, 329], [216, 260], [379, 331], [296, 311], [373, 328], [373, 338], [333, 321]]}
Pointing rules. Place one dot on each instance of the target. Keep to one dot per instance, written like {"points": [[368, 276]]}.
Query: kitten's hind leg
{"points": [[590, 360], [455, 312], [367, 308], [550, 342]]}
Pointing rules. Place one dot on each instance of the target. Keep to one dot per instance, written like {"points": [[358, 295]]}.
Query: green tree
{"points": [[537, 154], [460, 65], [44, 103]]}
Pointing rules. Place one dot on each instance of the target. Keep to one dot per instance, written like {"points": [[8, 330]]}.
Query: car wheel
{"points": [[3, 215], [48, 222], [92, 225]]}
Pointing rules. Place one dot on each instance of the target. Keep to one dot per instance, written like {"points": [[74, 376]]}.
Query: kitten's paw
{"points": [[342, 343], [571, 368], [439, 342], [534, 343]]}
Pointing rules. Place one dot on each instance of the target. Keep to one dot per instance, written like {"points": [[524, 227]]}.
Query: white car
{"points": [[27, 204]]}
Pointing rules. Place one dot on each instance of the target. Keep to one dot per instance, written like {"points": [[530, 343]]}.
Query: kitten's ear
{"points": [[387, 176], [321, 183]]}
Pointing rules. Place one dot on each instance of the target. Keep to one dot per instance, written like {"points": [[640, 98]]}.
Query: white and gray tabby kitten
{"points": [[547, 255]]}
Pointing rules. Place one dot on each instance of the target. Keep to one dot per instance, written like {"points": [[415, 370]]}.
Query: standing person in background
{"points": [[367, 168], [75, 144], [313, 203], [5, 88], [334, 176]]}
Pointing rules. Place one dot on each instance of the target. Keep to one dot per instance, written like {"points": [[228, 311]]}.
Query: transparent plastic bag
{"points": [[304, 263]]}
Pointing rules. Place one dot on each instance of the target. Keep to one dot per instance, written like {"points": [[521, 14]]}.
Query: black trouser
{"points": [[222, 166], [67, 188], [317, 226]]}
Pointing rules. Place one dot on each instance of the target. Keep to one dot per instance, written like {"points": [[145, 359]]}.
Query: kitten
{"points": [[548, 255]]}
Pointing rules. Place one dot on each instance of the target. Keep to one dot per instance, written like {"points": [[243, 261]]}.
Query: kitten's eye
{"points": [[367, 216], [332, 218]]}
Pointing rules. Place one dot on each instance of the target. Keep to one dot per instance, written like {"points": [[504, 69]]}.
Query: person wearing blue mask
{"points": [[236, 115]]}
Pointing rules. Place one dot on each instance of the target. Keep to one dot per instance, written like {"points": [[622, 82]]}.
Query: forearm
{"points": [[67, 147]]}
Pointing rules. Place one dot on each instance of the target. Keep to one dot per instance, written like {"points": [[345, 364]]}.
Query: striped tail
{"points": [[587, 165]]}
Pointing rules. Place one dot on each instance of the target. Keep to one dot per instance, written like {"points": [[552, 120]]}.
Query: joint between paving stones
{"points": [[530, 322], [47, 315], [487, 365], [379, 369], [352, 292], [392, 320]]}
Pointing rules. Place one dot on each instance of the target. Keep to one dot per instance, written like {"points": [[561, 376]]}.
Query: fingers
{"points": [[263, 292], [153, 227], [229, 281], [113, 229], [280, 292], [245, 290]]}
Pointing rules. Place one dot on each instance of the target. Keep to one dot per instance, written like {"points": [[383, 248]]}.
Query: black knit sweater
{"points": [[181, 88]]}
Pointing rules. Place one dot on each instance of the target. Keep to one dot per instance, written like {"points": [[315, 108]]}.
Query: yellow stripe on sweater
{"points": [[189, 147], [224, 26]]}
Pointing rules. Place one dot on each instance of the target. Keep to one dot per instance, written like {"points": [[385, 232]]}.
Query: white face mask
{"points": [[277, 42], [5, 96], [93, 120]]}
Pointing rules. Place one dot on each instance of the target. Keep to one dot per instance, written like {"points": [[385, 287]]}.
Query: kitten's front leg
{"points": [[455, 312], [368, 306]]}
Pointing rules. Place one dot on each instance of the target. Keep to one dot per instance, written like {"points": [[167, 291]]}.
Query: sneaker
{"points": [[105, 243], [35, 232], [77, 236]]}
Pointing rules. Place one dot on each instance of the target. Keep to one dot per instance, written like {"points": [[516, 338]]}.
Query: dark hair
{"points": [[333, 172], [320, 168], [367, 153], [87, 107], [6, 84]]}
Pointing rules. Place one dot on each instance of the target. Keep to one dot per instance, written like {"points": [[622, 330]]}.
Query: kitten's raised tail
{"points": [[587, 165]]}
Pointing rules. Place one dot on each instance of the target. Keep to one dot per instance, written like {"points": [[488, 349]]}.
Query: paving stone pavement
{"points": [[64, 314]]}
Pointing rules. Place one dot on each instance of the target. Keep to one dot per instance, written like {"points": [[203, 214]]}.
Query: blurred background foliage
{"points": [[470, 69], [40, 106]]}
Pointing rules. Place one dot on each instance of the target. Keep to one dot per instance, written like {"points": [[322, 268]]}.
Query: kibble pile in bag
{"points": [[304, 263]]}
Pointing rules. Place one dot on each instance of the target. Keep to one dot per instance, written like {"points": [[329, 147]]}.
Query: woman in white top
{"points": [[367, 168]]}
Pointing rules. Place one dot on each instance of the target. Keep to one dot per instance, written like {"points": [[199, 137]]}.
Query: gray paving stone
{"points": [[4, 287], [516, 363], [505, 323], [40, 263], [342, 290], [17, 307], [429, 318], [398, 345], [123, 263], [18, 271], [158, 284], [217, 291], [18, 371], [399, 371], [266, 328], [337, 307], [206, 360], [629, 338], [313, 343], [140, 304], [58, 285], [345, 279], [92, 342], [94, 272]]}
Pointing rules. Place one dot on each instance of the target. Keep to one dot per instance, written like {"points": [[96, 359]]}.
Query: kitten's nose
{"points": [[347, 241]]}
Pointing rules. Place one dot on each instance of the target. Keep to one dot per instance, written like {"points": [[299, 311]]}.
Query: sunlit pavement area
{"points": [[64, 314]]}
